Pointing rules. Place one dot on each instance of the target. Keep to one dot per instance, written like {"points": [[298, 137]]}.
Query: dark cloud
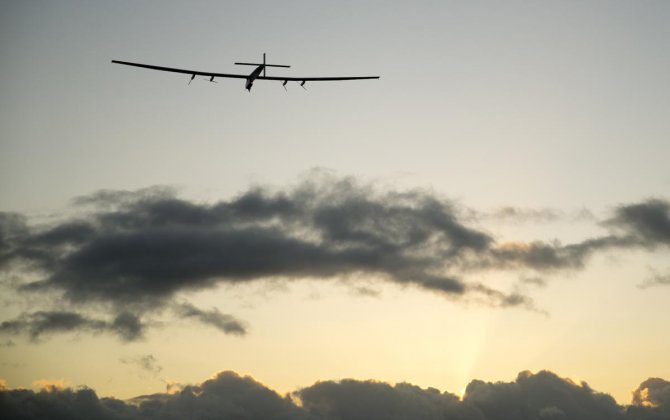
{"points": [[223, 322], [640, 225], [148, 245], [128, 326], [651, 400], [135, 251], [539, 256], [13, 228], [227, 395], [541, 395], [362, 400], [547, 257], [114, 198], [654, 392], [56, 404], [42, 323], [648, 222]]}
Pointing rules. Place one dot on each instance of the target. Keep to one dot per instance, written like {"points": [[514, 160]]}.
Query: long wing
{"points": [[315, 79], [242, 76], [191, 72]]}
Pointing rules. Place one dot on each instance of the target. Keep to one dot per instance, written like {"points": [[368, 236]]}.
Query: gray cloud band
{"points": [[135, 251], [125, 325]]}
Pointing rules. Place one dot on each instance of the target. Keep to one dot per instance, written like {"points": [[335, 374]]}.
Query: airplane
{"points": [[251, 78]]}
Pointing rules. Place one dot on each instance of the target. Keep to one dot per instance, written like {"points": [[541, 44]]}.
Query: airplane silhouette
{"points": [[250, 78]]}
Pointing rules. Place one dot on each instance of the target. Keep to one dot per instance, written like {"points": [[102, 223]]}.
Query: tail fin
{"points": [[263, 64]]}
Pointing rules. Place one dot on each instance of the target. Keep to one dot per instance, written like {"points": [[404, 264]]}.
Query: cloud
{"points": [[134, 252], [648, 222], [13, 227], [172, 387], [516, 214], [654, 392], [153, 246], [226, 395], [543, 395], [651, 400], [354, 400], [56, 404], [137, 250], [223, 322], [655, 280], [147, 363], [638, 225], [37, 324], [551, 257], [114, 198], [534, 281]]}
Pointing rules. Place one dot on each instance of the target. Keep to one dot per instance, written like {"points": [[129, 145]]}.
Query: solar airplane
{"points": [[250, 78]]}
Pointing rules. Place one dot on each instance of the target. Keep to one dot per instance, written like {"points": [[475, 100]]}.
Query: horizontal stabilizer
{"points": [[261, 64]]}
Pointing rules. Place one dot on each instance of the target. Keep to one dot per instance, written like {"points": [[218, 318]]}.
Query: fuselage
{"points": [[253, 76]]}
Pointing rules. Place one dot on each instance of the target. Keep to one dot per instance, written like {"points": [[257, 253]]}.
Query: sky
{"points": [[495, 209]]}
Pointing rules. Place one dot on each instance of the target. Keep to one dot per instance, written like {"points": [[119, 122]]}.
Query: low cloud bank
{"points": [[539, 396]]}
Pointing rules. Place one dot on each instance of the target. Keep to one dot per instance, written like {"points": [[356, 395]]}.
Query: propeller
{"points": [[211, 79], [192, 77], [302, 85], [284, 84]]}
